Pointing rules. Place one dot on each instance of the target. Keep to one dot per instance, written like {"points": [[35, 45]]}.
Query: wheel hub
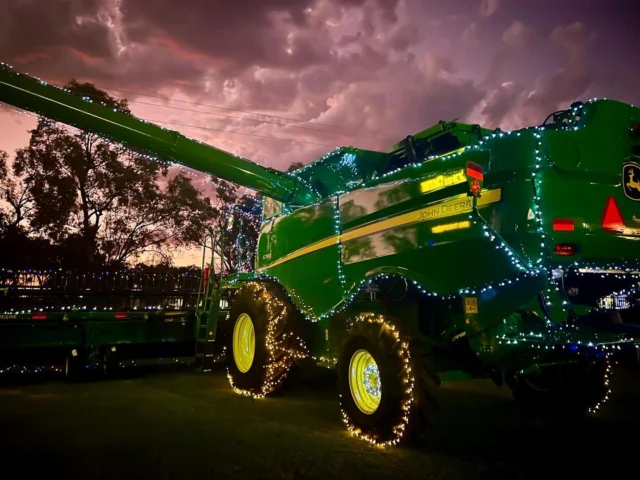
{"points": [[244, 343], [364, 382]]}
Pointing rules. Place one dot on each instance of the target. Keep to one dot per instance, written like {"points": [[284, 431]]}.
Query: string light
{"points": [[41, 369], [607, 383], [281, 352], [407, 379], [23, 369]]}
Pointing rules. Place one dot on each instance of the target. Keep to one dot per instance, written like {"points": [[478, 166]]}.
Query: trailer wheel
{"points": [[568, 389], [376, 381], [259, 354]]}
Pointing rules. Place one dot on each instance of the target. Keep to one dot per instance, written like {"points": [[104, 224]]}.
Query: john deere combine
{"points": [[459, 252]]}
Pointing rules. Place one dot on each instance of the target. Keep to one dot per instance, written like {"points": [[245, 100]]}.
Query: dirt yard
{"points": [[188, 425]]}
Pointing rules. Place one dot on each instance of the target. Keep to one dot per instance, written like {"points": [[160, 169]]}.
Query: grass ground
{"points": [[187, 425]]}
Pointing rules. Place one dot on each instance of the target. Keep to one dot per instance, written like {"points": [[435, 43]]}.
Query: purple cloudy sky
{"points": [[366, 72]]}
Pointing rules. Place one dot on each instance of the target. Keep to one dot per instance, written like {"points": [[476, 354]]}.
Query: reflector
{"points": [[563, 224], [612, 220], [475, 171]]}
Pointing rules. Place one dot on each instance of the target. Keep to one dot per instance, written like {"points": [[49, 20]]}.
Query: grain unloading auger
{"points": [[460, 252]]}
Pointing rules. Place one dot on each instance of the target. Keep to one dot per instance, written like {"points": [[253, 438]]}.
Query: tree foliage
{"points": [[295, 166], [96, 200], [234, 227], [15, 192]]}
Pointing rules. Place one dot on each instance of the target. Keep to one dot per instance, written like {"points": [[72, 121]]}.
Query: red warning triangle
{"points": [[612, 218]]}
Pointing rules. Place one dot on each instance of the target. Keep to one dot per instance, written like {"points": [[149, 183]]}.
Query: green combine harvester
{"points": [[461, 252]]}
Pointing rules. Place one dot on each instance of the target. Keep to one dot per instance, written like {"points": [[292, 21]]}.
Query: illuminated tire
{"points": [[572, 389], [376, 382], [258, 355]]}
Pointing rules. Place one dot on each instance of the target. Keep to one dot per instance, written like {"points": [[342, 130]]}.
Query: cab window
{"points": [[271, 208]]}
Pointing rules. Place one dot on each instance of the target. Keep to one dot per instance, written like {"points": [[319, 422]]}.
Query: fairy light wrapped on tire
{"points": [[408, 379], [276, 313]]}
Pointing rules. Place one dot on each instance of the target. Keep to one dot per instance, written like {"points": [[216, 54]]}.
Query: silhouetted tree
{"points": [[15, 191], [236, 222], [100, 200], [295, 166]]}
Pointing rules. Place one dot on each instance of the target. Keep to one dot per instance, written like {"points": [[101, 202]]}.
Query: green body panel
{"points": [[443, 263], [311, 279], [586, 170]]}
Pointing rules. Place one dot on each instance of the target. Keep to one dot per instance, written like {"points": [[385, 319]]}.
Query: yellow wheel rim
{"points": [[364, 382], [244, 343]]}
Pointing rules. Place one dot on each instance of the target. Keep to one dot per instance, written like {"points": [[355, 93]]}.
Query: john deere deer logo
{"points": [[631, 180]]}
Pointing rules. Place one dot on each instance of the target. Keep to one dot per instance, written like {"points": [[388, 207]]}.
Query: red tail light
{"points": [[475, 171], [39, 316], [563, 225], [565, 249], [121, 315], [612, 220]]}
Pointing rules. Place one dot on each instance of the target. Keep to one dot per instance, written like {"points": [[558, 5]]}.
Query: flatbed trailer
{"points": [[78, 338], [88, 340]]}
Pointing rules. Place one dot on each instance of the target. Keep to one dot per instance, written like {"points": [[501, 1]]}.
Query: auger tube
{"points": [[28, 93]]}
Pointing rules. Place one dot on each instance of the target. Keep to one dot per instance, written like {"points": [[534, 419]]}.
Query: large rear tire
{"points": [[377, 381], [259, 353]]}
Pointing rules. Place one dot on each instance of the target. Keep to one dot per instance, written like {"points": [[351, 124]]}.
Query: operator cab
{"points": [[443, 138], [271, 208], [342, 170], [346, 168]]}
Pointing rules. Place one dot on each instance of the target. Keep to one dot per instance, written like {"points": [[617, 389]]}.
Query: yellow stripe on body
{"points": [[460, 204], [456, 206], [327, 242]]}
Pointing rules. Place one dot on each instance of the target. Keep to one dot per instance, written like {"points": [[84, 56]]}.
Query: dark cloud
{"points": [[371, 67], [36, 30], [470, 36], [489, 7], [403, 38], [516, 35], [244, 32], [499, 102], [511, 105], [570, 82], [388, 8], [511, 41]]}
